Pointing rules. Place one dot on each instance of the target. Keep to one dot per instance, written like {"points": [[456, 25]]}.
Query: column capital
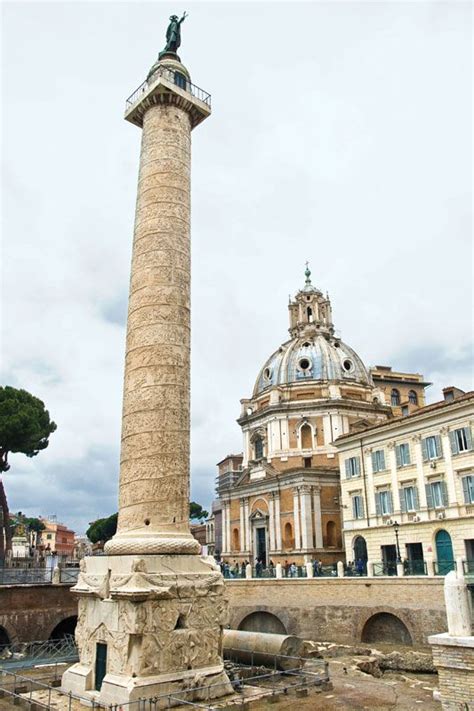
{"points": [[391, 445], [367, 451], [416, 438]]}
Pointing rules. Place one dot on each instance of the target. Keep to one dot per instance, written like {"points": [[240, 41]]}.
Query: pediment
{"points": [[258, 515]]}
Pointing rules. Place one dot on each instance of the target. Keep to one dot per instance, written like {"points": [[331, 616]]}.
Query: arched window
{"points": [[413, 397], [309, 313], [235, 539], [395, 397], [331, 534], [288, 540], [258, 446], [306, 437]]}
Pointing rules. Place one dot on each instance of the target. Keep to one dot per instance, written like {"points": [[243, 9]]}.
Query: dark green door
{"points": [[444, 553], [100, 664]]}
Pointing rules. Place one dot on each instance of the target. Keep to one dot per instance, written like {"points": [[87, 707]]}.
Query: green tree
{"points": [[196, 512], [103, 529], [25, 426]]}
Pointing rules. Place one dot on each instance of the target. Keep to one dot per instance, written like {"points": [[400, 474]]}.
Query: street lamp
{"points": [[396, 527]]}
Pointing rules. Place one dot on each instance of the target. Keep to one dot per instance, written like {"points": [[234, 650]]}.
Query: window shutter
{"points": [[453, 442], [429, 496], [398, 456], [407, 447], [439, 448], [444, 491], [357, 465], [390, 502], [467, 430], [377, 503], [424, 449], [465, 489], [374, 462], [348, 471], [362, 507], [416, 500], [403, 503], [382, 459], [354, 512]]}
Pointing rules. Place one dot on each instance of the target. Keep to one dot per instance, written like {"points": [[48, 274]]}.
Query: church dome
{"points": [[318, 358], [314, 352]]}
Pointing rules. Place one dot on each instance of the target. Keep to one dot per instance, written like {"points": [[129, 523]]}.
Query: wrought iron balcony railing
{"points": [[173, 76]]}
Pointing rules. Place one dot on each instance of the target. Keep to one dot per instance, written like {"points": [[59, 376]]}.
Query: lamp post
{"points": [[396, 527]]}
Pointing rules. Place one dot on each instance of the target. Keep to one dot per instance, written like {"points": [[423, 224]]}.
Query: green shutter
{"points": [[453, 442], [416, 500], [398, 456], [408, 453], [354, 514], [374, 462], [465, 489], [377, 503], [429, 496], [348, 471], [468, 437], [444, 492], [390, 502], [403, 503], [383, 459], [424, 449], [439, 446], [362, 507], [357, 465]]}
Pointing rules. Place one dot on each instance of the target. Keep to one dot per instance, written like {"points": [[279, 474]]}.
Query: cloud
{"points": [[350, 148]]}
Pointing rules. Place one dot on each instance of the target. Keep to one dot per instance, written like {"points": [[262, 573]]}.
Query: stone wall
{"points": [[31, 612], [339, 609], [453, 658]]}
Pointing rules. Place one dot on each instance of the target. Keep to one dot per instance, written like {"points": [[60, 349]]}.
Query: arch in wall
{"points": [[331, 534], [64, 628], [288, 538], [4, 637], [359, 546], [386, 627], [262, 621], [306, 436], [235, 539]]}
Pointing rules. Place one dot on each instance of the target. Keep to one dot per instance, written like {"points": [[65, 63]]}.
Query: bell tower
{"points": [[310, 311]]}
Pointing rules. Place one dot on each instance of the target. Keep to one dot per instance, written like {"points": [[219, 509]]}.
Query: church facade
{"points": [[280, 500]]}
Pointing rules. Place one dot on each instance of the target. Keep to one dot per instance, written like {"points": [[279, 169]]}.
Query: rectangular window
{"points": [[409, 492], [436, 494], [49, 536], [402, 453], [431, 448], [352, 467], [307, 462], [460, 440], [383, 503], [357, 506], [378, 461], [468, 489]]}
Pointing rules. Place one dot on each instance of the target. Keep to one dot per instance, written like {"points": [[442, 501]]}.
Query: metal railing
{"points": [[468, 567], [385, 568], [175, 77], [443, 567], [33, 693], [22, 655], [415, 567], [68, 575], [25, 576]]}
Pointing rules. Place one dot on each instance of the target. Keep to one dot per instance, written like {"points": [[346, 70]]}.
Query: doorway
{"points": [[100, 664], [414, 564], [444, 553], [261, 547], [389, 559], [360, 549]]}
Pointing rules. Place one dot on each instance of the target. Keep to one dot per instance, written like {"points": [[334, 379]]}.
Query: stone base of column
{"points": [[149, 626]]}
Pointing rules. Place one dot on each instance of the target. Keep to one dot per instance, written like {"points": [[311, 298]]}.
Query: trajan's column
{"points": [[152, 610]]}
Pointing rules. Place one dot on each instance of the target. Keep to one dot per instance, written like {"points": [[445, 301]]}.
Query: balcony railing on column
{"points": [[175, 77], [443, 567]]}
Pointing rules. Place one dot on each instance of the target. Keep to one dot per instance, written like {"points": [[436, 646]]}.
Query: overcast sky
{"points": [[340, 134]]}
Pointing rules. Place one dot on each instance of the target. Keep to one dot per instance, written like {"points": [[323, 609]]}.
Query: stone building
{"points": [[56, 538], [413, 473], [281, 499]]}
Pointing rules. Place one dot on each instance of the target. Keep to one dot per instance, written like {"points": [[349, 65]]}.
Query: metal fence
{"points": [[468, 567], [385, 568], [34, 694], [25, 576], [443, 567], [175, 77], [69, 575], [24, 655], [415, 567]]}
